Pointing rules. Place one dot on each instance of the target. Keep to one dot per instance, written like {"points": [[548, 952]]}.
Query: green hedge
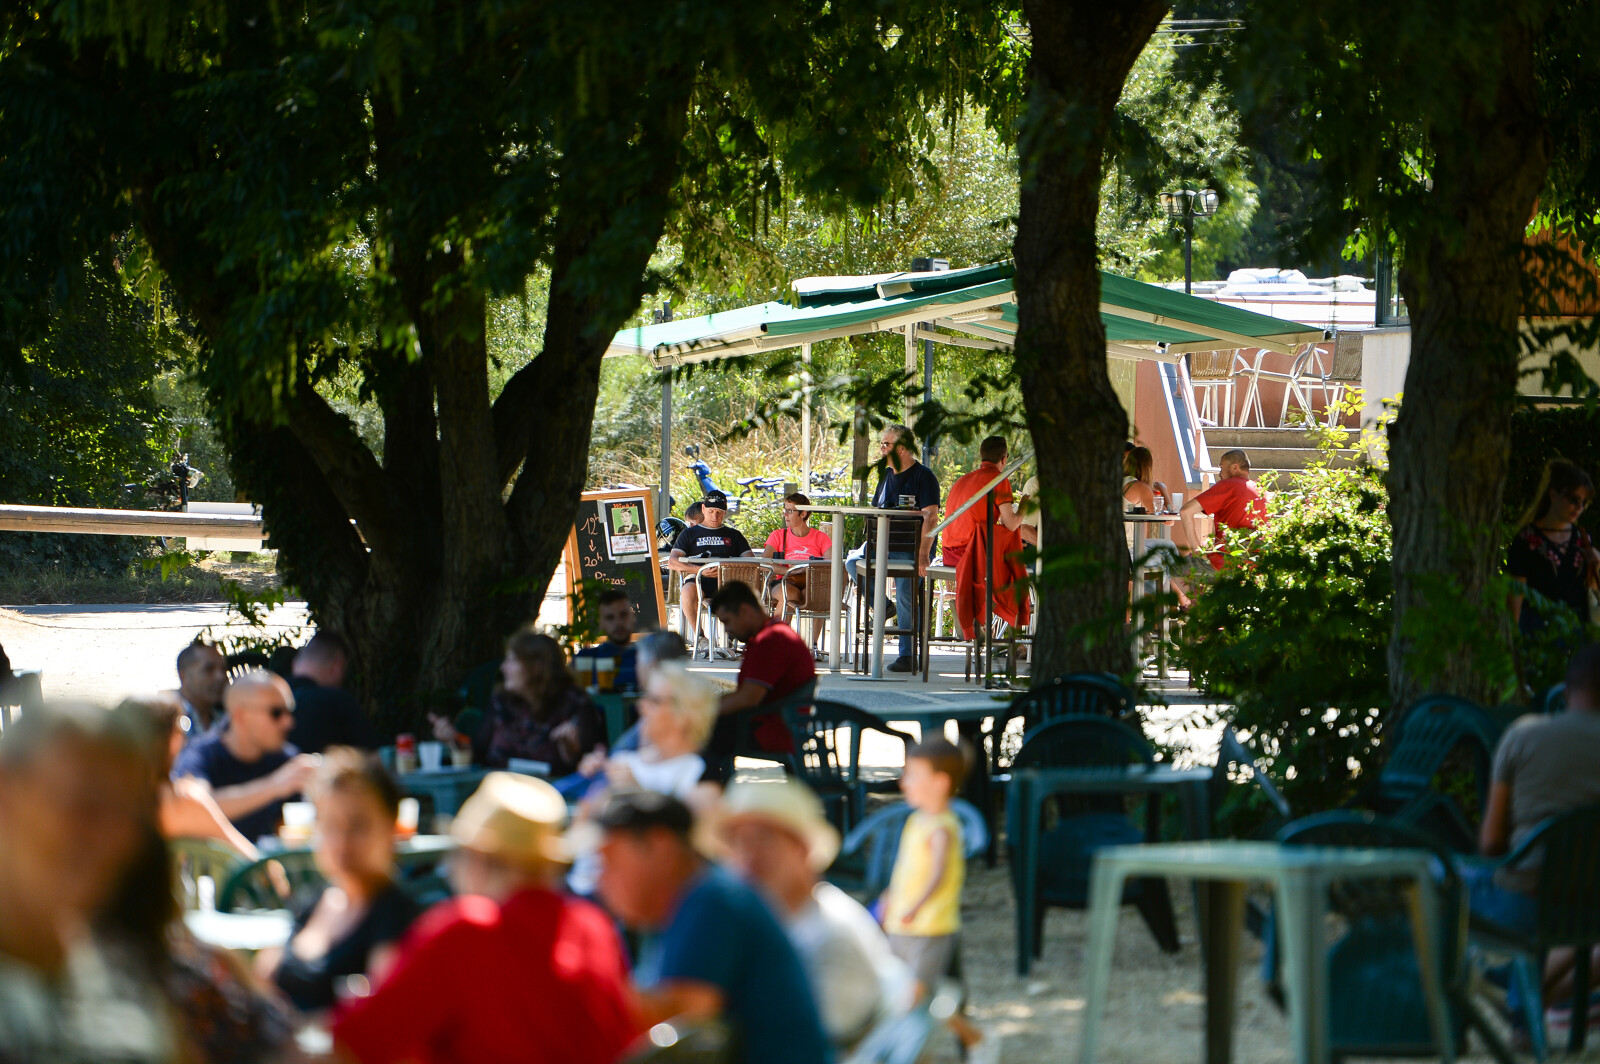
{"points": [[1569, 432]]}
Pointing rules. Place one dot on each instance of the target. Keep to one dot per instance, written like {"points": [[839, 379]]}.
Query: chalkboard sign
{"points": [[614, 542]]}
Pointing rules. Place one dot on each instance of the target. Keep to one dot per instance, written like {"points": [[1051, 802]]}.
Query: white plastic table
{"points": [[1141, 524], [1300, 876], [880, 567]]}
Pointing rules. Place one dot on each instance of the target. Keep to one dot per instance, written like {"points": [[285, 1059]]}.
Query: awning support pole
{"points": [[664, 504], [911, 364], [805, 418]]}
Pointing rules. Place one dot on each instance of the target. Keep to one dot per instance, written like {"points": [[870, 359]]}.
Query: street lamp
{"points": [[1187, 205]]}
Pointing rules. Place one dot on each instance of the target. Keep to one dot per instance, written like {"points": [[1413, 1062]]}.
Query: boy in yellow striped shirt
{"points": [[922, 907]]}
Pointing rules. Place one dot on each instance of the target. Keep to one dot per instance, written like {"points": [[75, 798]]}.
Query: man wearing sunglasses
{"points": [[249, 763]]}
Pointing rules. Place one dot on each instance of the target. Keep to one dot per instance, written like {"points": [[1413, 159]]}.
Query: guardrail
{"points": [[14, 518]]}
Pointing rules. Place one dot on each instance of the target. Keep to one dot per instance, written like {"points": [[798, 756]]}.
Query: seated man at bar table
{"points": [[709, 539], [616, 622], [776, 664]]}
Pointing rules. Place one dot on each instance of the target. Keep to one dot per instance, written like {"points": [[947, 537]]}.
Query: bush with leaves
{"points": [[1296, 631]]}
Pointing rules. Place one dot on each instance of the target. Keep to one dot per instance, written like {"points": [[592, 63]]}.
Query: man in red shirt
{"points": [[776, 664], [510, 969], [1235, 503], [992, 456]]}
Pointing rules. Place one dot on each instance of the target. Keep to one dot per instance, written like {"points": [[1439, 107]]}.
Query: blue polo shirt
{"points": [[725, 935], [208, 759], [626, 655]]}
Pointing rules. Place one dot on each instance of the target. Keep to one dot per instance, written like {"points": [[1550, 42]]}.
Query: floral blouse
{"points": [[510, 730], [1558, 571]]}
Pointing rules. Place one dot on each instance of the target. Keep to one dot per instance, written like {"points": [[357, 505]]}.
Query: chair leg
{"points": [[1580, 1000], [1526, 973], [1155, 906]]}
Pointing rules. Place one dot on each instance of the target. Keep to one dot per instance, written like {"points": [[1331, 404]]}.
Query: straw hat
{"points": [[513, 817], [789, 805]]}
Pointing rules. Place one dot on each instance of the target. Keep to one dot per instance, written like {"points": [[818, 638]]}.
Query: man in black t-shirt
{"points": [[710, 539], [325, 714], [904, 476]]}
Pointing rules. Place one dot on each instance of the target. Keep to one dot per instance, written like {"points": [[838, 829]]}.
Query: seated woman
{"points": [[798, 542], [351, 929], [186, 809], [1143, 494], [1550, 553], [676, 714], [538, 714]]}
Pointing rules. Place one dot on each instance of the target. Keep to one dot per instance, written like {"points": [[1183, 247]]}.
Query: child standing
{"points": [[922, 907]]}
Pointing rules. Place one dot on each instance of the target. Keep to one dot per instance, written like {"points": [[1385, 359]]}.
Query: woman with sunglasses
{"points": [[1550, 553]]}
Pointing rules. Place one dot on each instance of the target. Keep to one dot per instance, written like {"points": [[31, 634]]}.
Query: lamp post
{"points": [[1186, 205]]}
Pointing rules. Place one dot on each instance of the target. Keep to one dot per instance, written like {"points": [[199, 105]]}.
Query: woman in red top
{"points": [[512, 970], [796, 541]]}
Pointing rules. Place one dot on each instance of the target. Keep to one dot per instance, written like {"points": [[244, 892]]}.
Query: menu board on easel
{"points": [[613, 542]]}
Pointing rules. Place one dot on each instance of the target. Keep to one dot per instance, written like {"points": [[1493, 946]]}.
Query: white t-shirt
{"points": [[854, 977], [676, 776]]}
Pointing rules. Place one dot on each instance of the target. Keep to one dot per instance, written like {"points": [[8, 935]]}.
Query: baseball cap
{"points": [[716, 500]]}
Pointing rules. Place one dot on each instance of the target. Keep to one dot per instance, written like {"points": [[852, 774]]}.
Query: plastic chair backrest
{"points": [[244, 661], [904, 535], [251, 888], [880, 835], [1569, 878], [1082, 740], [1230, 751], [203, 857], [1084, 694], [818, 759], [1428, 731]]}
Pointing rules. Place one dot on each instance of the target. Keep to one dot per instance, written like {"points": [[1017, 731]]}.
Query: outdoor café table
{"points": [[931, 717], [247, 932], [1300, 876], [880, 570], [448, 786], [1030, 787]]}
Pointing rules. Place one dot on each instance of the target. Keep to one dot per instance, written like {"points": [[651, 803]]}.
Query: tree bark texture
{"points": [[1451, 441], [1081, 56]]}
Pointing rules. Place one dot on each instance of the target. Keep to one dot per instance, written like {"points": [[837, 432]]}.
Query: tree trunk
{"points": [[1082, 53], [1451, 441]]}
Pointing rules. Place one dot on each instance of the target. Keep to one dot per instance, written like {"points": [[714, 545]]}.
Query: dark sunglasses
{"points": [[279, 712]]}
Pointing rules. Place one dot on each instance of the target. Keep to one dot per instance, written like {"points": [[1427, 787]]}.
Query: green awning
{"points": [[974, 307]]}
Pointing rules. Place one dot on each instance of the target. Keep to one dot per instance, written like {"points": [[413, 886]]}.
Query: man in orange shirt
{"points": [[992, 458], [1235, 503]]}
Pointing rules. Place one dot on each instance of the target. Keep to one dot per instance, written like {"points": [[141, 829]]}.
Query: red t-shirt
{"points": [[813, 545], [1235, 503], [779, 660], [957, 536], [538, 980]]}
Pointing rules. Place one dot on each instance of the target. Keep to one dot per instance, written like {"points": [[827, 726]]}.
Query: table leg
{"points": [[1027, 869], [1138, 566], [836, 592], [1221, 918], [880, 595], [1424, 903], [1105, 904], [1302, 907]]}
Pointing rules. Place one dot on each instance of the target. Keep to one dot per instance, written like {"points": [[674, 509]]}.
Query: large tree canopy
{"points": [[1445, 127], [338, 191]]}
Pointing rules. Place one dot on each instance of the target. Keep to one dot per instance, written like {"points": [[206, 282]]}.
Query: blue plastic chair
{"points": [[867, 855], [1376, 1005], [1075, 694], [835, 773], [1568, 901], [1088, 823], [1424, 738]]}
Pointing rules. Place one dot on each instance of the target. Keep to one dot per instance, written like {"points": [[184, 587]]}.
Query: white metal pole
{"points": [[880, 595], [836, 599], [805, 418], [911, 364]]}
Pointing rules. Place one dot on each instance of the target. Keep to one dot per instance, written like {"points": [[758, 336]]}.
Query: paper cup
{"points": [[431, 754]]}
